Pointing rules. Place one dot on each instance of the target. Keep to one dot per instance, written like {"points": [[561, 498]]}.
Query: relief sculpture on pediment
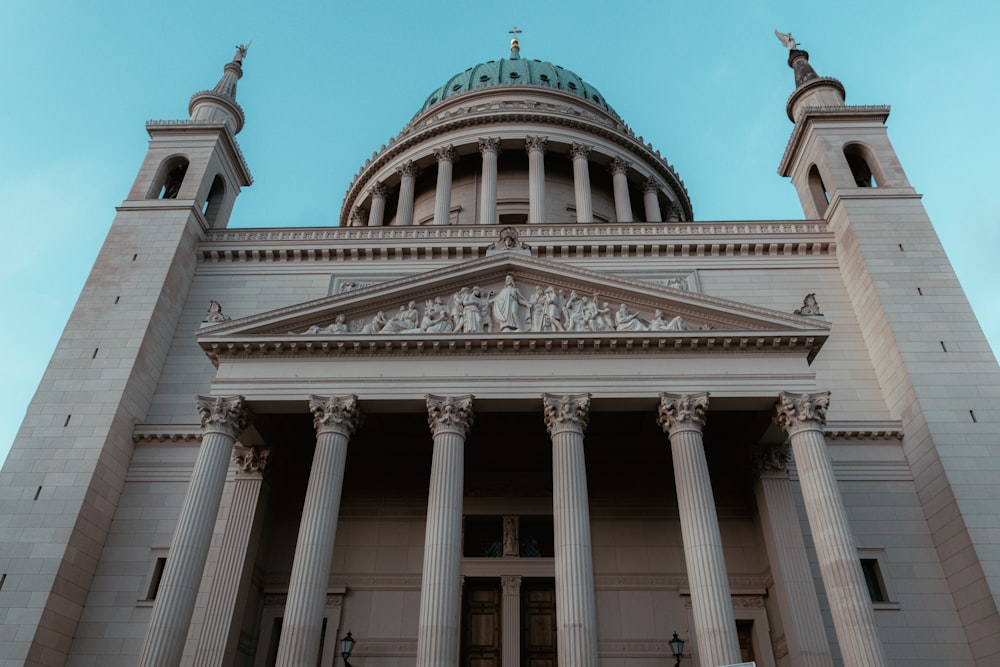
{"points": [[474, 310]]}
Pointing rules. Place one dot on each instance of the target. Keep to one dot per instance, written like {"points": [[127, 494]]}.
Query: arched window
{"points": [[169, 179], [214, 200], [818, 191], [860, 160]]}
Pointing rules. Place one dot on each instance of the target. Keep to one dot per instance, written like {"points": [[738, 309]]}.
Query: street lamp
{"points": [[347, 647], [677, 646]]}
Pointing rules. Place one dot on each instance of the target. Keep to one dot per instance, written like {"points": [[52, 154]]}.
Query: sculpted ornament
{"points": [[809, 306], [567, 412], [682, 411], [796, 411], [251, 460], [449, 413], [339, 326], [214, 313], [508, 241], [335, 413], [228, 414], [489, 144]]}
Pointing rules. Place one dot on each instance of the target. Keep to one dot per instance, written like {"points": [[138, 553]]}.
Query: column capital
{"points": [[536, 144], [568, 412], [445, 153], [682, 412], [339, 414], [650, 185], [408, 168], [489, 144], [378, 189], [359, 217], [802, 412], [224, 414], [580, 151], [619, 165], [511, 584], [449, 413], [772, 460], [251, 461]]}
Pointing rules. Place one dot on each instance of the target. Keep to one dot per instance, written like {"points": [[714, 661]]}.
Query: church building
{"points": [[515, 407]]}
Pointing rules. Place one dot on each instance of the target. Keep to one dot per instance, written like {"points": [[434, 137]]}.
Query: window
{"points": [[818, 191], [510, 536], [169, 179], [154, 580], [873, 578], [214, 200]]}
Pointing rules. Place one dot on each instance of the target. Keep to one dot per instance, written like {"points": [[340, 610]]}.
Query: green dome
{"points": [[516, 71]]}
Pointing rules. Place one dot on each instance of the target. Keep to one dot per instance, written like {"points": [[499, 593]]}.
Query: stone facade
{"points": [[518, 407]]}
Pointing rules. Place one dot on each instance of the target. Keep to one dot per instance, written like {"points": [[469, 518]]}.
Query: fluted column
{"points": [[511, 606], [581, 182], [802, 416], [407, 182], [576, 616], [619, 178], [376, 217], [490, 148], [442, 197], [786, 552], [217, 644], [222, 420], [650, 201], [682, 417], [439, 624], [535, 147], [335, 419]]}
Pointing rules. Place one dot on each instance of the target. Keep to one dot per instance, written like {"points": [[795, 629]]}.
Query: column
{"points": [[439, 623], [490, 148], [619, 177], [786, 552], [335, 419], [376, 217], [802, 416], [220, 633], [650, 190], [536, 177], [511, 610], [359, 217], [408, 178], [442, 198], [222, 420], [576, 616], [581, 182], [682, 417]]}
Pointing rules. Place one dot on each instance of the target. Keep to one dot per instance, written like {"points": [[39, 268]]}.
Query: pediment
{"points": [[511, 301]]}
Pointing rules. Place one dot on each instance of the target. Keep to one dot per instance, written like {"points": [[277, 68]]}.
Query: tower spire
{"points": [[219, 104], [811, 90]]}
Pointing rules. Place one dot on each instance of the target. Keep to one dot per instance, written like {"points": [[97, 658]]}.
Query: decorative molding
{"points": [[865, 430]]}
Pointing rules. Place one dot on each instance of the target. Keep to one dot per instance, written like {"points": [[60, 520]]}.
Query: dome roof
{"points": [[516, 71]]}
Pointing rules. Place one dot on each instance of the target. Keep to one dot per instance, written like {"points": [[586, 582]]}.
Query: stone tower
{"points": [[935, 368], [67, 466]]}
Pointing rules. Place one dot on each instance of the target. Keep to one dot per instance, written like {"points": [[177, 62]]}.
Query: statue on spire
{"points": [[786, 39], [241, 52]]}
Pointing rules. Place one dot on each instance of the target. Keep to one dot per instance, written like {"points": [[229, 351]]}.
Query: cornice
{"points": [[864, 430], [702, 239]]}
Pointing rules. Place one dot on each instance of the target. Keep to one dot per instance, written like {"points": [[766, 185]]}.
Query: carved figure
{"points": [[536, 305], [786, 39], [626, 321], [436, 317], [508, 241], [551, 312], [473, 306], [659, 323], [809, 305], [214, 313], [241, 51], [507, 307], [406, 319], [677, 283], [375, 326], [339, 326]]}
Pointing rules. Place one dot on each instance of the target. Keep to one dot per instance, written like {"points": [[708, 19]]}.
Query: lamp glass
{"points": [[347, 645]]}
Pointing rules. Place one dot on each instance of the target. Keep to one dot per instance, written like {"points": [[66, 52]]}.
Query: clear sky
{"points": [[326, 83]]}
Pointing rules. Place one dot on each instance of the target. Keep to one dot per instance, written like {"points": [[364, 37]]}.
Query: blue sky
{"points": [[327, 83]]}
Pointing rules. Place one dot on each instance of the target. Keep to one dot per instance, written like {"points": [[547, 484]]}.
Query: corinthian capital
{"points": [[682, 412], [580, 151], [228, 414], [378, 189], [619, 165], [335, 413], [359, 217], [408, 168], [489, 144], [251, 461], [449, 413], [536, 143], [650, 185], [445, 153], [799, 411], [566, 413], [772, 459]]}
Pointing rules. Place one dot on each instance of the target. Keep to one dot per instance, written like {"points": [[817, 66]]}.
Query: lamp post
{"points": [[348, 642], [677, 646]]}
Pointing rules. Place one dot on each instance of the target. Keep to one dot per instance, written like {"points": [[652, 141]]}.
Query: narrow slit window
{"points": [[154, 581], [873, 578]]}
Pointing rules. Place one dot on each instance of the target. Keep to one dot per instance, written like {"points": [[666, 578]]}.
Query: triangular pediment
{"points": [[518, 298]]}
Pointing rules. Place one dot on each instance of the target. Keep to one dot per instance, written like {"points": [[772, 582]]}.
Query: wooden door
{"points": [[481, 624], [538, 618]]}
